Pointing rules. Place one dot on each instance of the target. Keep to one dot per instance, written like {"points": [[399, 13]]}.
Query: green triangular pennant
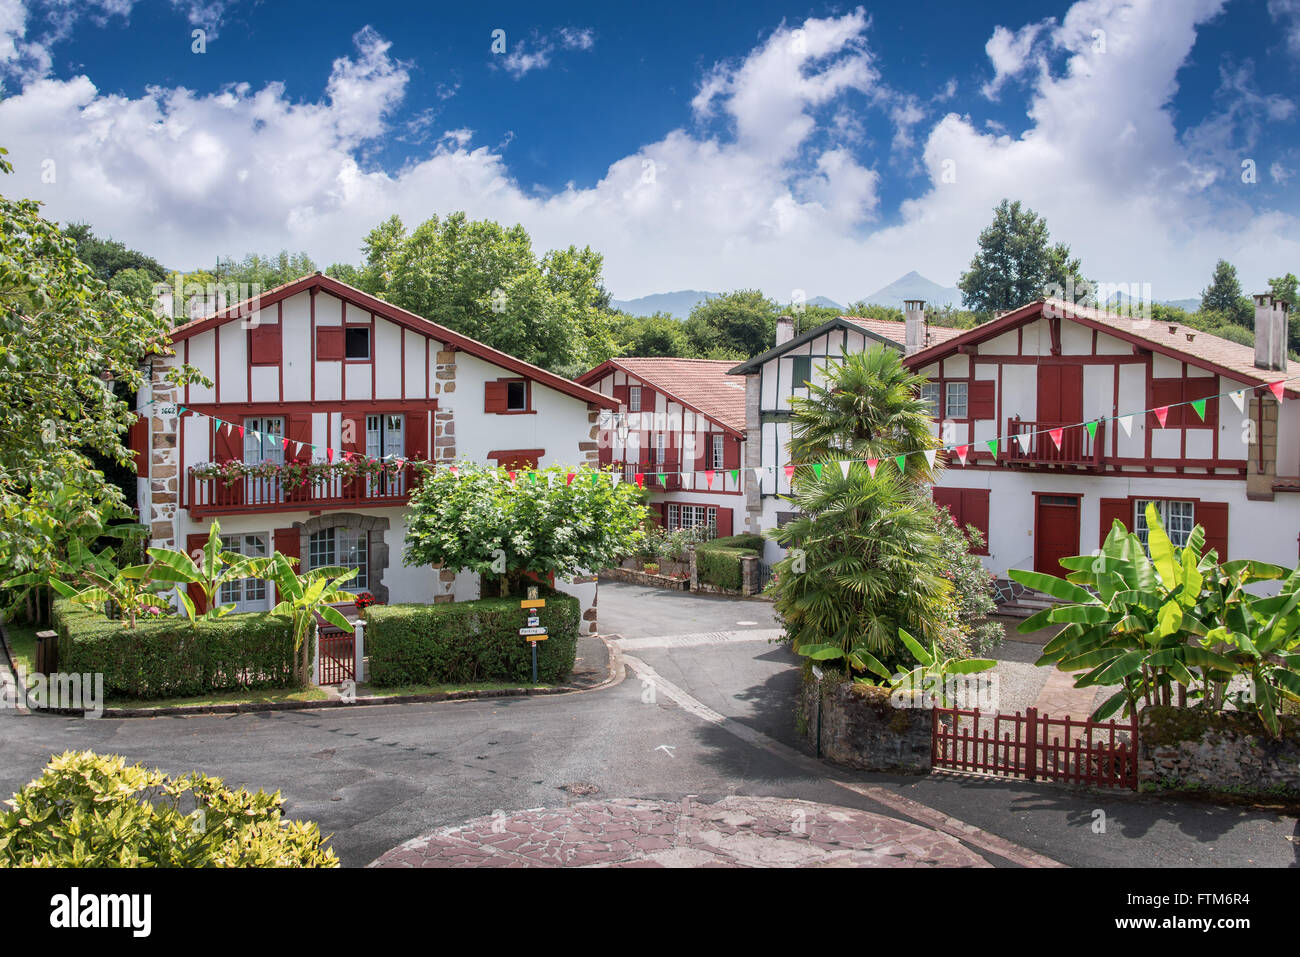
{"points": [[993, 446], [817, 469], [902, 462], [663, 479], [1092, 430], [1199, 406], [735, 475]]}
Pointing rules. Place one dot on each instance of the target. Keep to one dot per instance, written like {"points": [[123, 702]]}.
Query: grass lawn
{"points": [[22, 643], [231, 697], [367, 690]]}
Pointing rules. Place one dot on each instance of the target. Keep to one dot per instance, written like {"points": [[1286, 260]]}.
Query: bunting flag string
{"points": [[963, 451]]}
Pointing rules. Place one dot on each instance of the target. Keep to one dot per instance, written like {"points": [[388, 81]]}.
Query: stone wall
{"points": [[1189, 748], [163, 466], [861, 729]]}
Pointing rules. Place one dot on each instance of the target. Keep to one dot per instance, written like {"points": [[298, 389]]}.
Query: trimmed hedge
{"points": [[718, 561], [166, 658], [470, 641]]}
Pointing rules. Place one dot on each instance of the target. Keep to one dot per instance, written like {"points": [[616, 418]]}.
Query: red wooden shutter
{"points": [[975, 511], [1213, 517], [264, 345], [620, 394], [227, 444], [724, 522], [329, 343], [1113, 509], [1201, 388], [495, 396], [299, 429], [137, 440], [288, 542], [982, 399], [1169, 392], [672, 461], [194, 546], [417, 436], [949, 498], [730, 453], [355, 426]]}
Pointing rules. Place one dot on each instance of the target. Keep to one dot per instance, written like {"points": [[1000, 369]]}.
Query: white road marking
{"points": [[923, 814], [702, 638]]}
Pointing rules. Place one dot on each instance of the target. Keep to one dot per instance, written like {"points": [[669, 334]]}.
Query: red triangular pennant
{"points": [[789, 471], [568, 478], [708, 477], [1162, 413], [962, 452], [1057, 435], [640, 479], [1277, 388], [871, 466]]}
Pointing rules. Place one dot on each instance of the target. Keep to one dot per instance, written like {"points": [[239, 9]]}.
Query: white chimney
{"points": [[784, 330], [914, 325], [1270, 332]]}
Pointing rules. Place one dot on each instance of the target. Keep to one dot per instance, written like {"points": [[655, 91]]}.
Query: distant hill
{"points": [[915, 286], [679, 304], [1187, 305]]}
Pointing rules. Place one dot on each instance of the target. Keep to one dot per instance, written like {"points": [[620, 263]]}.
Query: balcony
{"points": [[218, 495], [1078, 448]]}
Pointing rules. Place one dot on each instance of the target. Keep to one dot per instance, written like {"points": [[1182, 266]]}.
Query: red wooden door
{"points": [[1056, 532], [1060, 403]]}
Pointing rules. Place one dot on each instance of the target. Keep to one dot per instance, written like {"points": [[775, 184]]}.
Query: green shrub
{"points": [[469, 641], [170, 658], [746, 540], [90, 810], [721, 566]]}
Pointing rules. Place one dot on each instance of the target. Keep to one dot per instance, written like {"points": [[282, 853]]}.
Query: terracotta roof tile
{"points": [[897, 331], [700, 383]]}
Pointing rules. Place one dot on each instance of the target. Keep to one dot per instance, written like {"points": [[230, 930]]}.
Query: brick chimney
{"points": [[914, 325], [784, 330], [1270, 332]]}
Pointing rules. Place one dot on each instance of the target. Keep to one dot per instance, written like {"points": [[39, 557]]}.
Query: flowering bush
{"points": [[968, 632], [364, 600], [298, 473]]}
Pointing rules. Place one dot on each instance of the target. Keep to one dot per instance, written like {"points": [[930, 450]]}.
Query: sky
{"points": [[803, 149]]}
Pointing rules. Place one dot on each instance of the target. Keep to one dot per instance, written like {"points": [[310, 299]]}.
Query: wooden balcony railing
{"points": [[216, 495], [1078, 448]]}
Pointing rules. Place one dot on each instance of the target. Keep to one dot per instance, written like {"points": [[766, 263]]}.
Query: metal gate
{"points": [[764, 577], [1036, 747], [336, 652]]}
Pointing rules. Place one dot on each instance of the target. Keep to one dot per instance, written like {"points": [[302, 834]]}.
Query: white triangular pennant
{"points": [[614, 479], [1023, 438], [1238, 399], [929, 457], [1126, 421], [844, 468]]}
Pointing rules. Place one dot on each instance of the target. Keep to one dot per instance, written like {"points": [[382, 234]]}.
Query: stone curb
{"points": [[615, 673]]}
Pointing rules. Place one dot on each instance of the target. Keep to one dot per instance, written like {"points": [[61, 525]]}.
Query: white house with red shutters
{"points": [[1052, 386], [1179, 418], [315, 371], [679, 424]]}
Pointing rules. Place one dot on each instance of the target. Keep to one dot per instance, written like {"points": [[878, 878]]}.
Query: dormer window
{"points": [[356, 342]]}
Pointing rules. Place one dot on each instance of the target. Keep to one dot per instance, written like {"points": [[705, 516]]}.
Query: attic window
{"points": [[357, 342], [516, 396]]}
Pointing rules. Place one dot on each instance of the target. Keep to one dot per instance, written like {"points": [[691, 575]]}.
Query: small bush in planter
{"points": [[651, 568]]}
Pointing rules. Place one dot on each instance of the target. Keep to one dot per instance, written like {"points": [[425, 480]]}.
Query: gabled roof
{"points": [[1205, 351], [402, 317], [701, 385], [885, 331]]}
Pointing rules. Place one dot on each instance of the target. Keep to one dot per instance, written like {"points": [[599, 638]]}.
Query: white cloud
{"points": [[769, 189], [523, 59], [1010, 52], [1287, 13]]}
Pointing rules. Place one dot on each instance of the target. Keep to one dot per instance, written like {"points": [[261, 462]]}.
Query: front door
{"points": [[1056, 532], [1060, 404]]}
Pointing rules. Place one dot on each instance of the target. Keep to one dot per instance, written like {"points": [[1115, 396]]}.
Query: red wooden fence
{"points": [[1037, 747], [337, 653]]}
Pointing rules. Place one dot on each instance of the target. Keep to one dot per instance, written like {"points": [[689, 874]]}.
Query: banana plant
{"points": [[210, 570], [127, 588], [929, 679], [306, 596]]}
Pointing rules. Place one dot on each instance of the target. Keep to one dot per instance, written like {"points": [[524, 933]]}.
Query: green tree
{"points": [[1287, 288], [108, 257], [1223, 296], [657, 335], [1014, 263], [134, 284], [869, 407], [62, 331], [560, 520], [740, 323], [265, 271], [483, 280]]}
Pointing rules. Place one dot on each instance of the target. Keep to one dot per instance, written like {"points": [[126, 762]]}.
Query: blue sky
{"points": [[815, 147]]}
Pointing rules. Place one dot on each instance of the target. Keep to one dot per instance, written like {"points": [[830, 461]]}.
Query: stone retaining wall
{"points": [[1189, 748], [861, 729], [635, 577]]}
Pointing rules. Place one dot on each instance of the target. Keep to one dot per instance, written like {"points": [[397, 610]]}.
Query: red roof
{"points": [[701, 385], [1203, 350], [402, 317], [897, 331]]}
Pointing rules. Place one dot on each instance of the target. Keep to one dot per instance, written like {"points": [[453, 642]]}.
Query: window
{"points": [[343, 547], [246, 594], [718, 456], [629, 471], [930, 396], [801, 370], [955, 403], [516, 396], [264, 440], [356, 342], [1178, 518], [692, 516], [386, 438], [634, 398], [659, 448]]}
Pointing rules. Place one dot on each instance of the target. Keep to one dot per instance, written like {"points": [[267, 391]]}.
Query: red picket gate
{"points": [[336, 650], [1037, 747]]}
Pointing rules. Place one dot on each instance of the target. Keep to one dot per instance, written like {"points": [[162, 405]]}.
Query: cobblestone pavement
{"points": [[734, 832]]}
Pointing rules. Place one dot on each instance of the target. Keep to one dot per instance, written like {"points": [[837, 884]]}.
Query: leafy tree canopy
{"points": [[1016, 263], [657, 335], [108, 257], [739, 324], [265, 271], [1223, 296]]}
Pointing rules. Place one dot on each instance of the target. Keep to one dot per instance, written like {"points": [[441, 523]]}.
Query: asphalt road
{"points": [[377, 776]]}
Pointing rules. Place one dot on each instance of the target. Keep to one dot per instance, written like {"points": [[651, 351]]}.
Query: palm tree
{"points": [[870, 407], [864, 561]]}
